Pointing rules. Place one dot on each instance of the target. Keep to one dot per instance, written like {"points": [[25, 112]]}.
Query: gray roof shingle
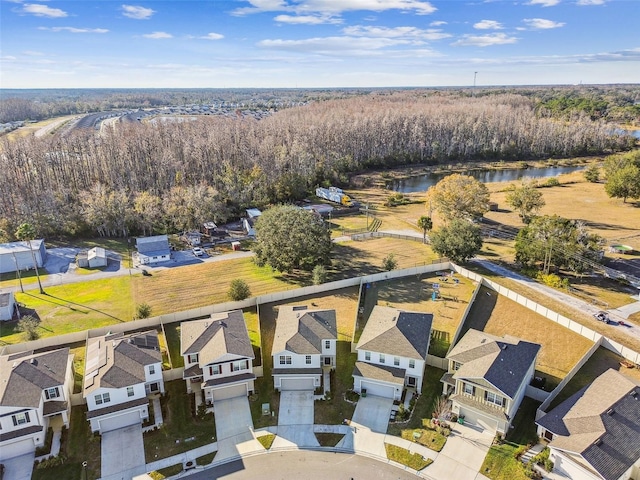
{"points": [[153, 246], [397, 332], [301, 331], [384, 373]]}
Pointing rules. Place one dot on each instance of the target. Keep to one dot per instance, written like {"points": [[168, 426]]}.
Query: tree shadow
{"points": [[72, 305]]}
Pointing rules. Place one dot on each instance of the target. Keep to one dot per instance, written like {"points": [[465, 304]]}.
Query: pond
{"points": [[421, 183]]}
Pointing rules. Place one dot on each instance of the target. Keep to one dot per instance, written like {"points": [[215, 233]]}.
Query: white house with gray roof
{"points": [[487, 378], [304, 343], [392, 351], [121, 371], [218, 355], [154, 249], [18, 256], [595, 433], [34, 387]]}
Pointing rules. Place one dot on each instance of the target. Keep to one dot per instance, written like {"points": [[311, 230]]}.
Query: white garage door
{"points": [[230, 392], [17, 449], [296, 384], [377, 389], [120, 421], [479, 420]]}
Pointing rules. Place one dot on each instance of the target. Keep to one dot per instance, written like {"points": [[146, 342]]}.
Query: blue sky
{"points": [[317, 43]]}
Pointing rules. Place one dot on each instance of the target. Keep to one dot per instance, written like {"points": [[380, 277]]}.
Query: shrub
{"points": [[239, 290], [551, 182], [52, 462], [143, 310], [553, 280], [396, 199], [202, 411], [592, 174], [389, 262], [319, 274], [29, 325]]}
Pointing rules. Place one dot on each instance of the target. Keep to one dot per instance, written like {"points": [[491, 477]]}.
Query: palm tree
{"points": [[425, 224], [27, 232]]}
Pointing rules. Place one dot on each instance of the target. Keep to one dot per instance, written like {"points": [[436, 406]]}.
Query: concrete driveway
{"points": [[123, 453], [19, 468], [233, 417], [373, 412], [462, 455], [296, 408]]}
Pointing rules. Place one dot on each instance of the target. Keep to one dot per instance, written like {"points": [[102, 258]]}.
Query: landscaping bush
{"points": [[46, 448], [143, 310], [551, 182], [52, 462], [553, 280], [319, 275], [239, 290]]}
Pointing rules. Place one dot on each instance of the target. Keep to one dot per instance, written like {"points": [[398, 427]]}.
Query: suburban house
{"points": [[218, 356], [34, 388], [595, 433], [92, 258], [153, 249], [17, 255], [392, 351], [487, 378], [120, 372], [249, 222], [7, 306], [304, 342]]}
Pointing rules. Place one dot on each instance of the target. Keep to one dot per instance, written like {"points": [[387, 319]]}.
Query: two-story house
{"points": [[595, 433], [487, 378], [304, 342], [34, 387], [218, 355], [120, 372], [392, 351]]}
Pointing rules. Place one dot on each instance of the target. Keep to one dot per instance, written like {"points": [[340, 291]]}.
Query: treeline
{"points": [[168, 177]]}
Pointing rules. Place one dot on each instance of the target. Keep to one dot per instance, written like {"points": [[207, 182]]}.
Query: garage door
{"points": [[17, 449], [120, 421], [296, 384], [230, 392], [377, 389], [479, 420]]}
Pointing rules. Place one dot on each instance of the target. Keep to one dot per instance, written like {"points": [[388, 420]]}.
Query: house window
{"points": [[367, 356], [129, 391], [493, 398], [412, 364], [52, 393], [307, 359], [396, 361], [240, 365], [192, 358], [285, 359], [104, 398], [469, 389], [382, 358], [327, 344], [456, 365], [20, 418], [154, 387], [152, 369], [214, 370]]}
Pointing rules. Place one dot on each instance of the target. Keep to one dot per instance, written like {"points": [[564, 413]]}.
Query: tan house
{"points": [[595, 433], [487, 378]]}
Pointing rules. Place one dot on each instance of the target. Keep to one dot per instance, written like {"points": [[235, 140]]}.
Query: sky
{"points": [[317, 43]]}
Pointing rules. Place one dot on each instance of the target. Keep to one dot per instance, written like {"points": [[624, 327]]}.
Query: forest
{"points": [[172, 176]]}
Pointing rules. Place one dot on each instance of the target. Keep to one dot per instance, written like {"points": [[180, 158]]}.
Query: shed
{"points": [[97, 257], [7, 306], [209, 228], [235, 246], [193, 238], [17, 255]]}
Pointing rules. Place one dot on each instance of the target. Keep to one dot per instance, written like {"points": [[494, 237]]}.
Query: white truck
{"points": [[334, 194]]}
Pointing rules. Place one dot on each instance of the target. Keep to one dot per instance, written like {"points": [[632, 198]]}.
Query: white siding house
{"points": [[391, 352], [17, 255], [218, 356], [7, 306], [487, 378], [153, 249], [34, 387], [120, 372], [304, 344]]}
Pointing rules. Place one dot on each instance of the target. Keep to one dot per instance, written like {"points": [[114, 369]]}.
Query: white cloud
{"points": [[545, 3], [158, 35], [396, 32], [32, 53], [137, 12], [307, 19], [542, 24], [437, 23], [335, 7], [212, 36], [74, 29], [342, 46], [583, 3], [43, 10], [485, 40], [488, 25]]}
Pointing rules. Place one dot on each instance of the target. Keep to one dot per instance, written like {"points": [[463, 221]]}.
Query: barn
{"points": [[17, 255]]}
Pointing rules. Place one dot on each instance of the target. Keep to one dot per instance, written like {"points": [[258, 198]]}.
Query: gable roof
{"points": [[397, 332], [501, 361], [211, 338], [23, 376], [118, 361], [601, 423], [153, 246], [301, 331], [96, 252]]}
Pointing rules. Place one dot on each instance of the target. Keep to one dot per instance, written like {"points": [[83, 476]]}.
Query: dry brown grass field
{"points": [[498, 315], [46, 126]]}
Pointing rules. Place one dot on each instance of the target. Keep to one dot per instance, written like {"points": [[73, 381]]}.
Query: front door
{"points": [[411, 381], [327, 360]]}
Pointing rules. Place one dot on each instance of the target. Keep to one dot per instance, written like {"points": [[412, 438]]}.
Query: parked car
{"points": [[198, 252], [601, 316]]}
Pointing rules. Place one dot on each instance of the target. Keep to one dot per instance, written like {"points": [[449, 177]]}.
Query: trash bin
{"points": [[461, 419], [363, 392]]}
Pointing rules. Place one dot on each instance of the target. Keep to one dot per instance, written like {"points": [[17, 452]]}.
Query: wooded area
{"points": [[171, 176]]}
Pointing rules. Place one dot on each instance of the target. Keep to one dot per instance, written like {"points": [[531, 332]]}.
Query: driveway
{"points": [[373, 412], [233, 417], [19, 468], [123, 453], [296, 408], [462, 455]]}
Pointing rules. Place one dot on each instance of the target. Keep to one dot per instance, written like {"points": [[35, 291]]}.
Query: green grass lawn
{"points": [[266, 440], [336, 409], [403, 456], [206, 459], [426, 436], [180, 425]]}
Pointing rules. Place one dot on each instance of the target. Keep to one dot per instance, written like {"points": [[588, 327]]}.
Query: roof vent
{"points": [[597, 443], [503, 346], [206, 324], [634, 394], [611, 411], [33, 361]]}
